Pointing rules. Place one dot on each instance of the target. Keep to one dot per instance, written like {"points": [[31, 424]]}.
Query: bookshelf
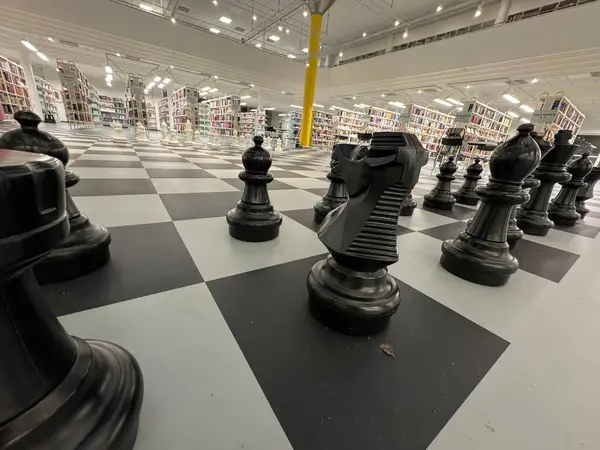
{"points": [[136, 100], [223, 114], [94, 98], [112, 109], [13, 91], [290, 129], [348, 124], [378, 119], [429, 125], [47, 94], [323, 131], [252, 123], [75, 94], [185, 107], [483, 123], [203, 118], [554, 113], [152, 124], [163, 110]]}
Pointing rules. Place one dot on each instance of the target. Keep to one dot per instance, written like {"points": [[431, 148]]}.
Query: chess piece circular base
{"points": [[565, 217], [466, 199], [97, 405], [477, 265], [444, 203], [350, 301], [253, 223], [581, 209], [325, 206], [535, 223], [408, 205]]}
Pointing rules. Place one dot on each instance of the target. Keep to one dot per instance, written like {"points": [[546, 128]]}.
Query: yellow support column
{"points": [[310, 79]]}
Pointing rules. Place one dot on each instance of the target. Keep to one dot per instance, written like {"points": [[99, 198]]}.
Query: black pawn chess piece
{"points": [[587, 192], [466, 192], [337, 193], [562, 208], [480, 253], [532, 217], [254, 219], [440, 196], [56, 391], [86, 248], [351, 290]]}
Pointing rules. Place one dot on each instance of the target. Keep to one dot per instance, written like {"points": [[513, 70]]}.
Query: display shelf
{"points": [[378, 119], [14, 95], [75, 94], [223, 114], [94, 98], [252, 123], [136, 100], [323, 129], [112, 109], [152, 124], [47, 95], [482, 123], [429, 125], [163, 110], [555, 113], [203, 124], [290, 129], [348, 124], [185, 107]]}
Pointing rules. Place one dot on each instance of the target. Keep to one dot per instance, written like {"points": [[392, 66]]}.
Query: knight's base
{"points": [[407, 210], [349, 301]]}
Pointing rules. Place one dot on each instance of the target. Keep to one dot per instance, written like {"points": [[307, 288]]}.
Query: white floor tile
{"points": [[158, 154], [422, 220], [205, 160], [224, 173], [188, 185], [304, 183], [96, 157], [111, 172], [169, 165], [119, 210], [290, 199]]}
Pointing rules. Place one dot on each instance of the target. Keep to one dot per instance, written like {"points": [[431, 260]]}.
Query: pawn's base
{"points": [[83, 251], [442, 202], [96, 406], [174, 144], [349, 301], [253, 223], [535, 223], [513, 239], [164, 142], [142, 141], [120, 140], [565, 216], [471, 199]]}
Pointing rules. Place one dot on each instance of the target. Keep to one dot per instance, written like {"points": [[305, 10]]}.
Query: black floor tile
{"points": [[319, 191], [336, 392], [273, 185], [200, 205], [580, 229], [95, 163], [178, 173], [304, 217], [594, 214], [110, 152], [400, 230], [457, 212], [286, 174], [544, 261], [448, 231], [218, 166], [111, 144], [117, 186], [162, 159], [145, 259]]}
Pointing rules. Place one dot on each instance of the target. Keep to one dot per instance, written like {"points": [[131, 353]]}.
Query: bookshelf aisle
{"points": [[378, 119], [482, 123], [555, 113], [136, 100], [428, 124], [112, 109], [223, 115], [47, 94], [348, 124], [13, 91], [252, 123], [290, 129], [163, 110], [152, 124], [94, 104], [185, 107], [75, 94], [323, 132], [203, 118]]}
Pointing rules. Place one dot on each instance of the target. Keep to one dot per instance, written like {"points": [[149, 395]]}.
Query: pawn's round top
{"points": [[256, 159], [475, 168], [580, 167], [449, 167], [516, 158], [30, 139]]}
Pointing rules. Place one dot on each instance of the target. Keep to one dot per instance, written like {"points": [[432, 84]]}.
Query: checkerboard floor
{"points": [[232, 359]]}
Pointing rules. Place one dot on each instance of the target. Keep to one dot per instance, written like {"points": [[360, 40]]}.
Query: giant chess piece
{"points": [[254, 219], [197, 140], [480, 253], [164, 131], [587, 192], [278, 147], [189, 134], [351, 289], [119, 137], [532, 217], [140, 134], [173, 138], [440, 196], [466, 192], [409, 204], [337, 194], [273, 143], [86, 248], [562, 208], [56, 391]]}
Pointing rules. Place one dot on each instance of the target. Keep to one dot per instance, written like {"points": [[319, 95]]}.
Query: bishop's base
{"points": [[96, 406], [349, 301]]}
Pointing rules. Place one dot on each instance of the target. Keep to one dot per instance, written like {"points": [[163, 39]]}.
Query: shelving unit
{"points": [[163, 110], [185, 107], [136, 100], [290, 129], [348, 124], [203, 124], [75, 94], [252, 123], [112, 109], [323, 132], [378, 119], [152, 124], [47, 95], [95, 105], [13, 91], [556, 113], [429, 125], [223, 115]]}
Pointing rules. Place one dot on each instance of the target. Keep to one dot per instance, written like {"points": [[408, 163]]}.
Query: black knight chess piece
{"points": [[480, 253], [86, 248], [56, 391], [337, 193], [587, 192], [466, 192], [532, 217], [440, 196], [254, 219], [562, 208], [351, 289]]}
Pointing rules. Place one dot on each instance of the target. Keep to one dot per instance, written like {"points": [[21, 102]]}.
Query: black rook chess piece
{"points": [[562, 207], [56, 391], [480, 253], [337, 193], [254, 219], [466, 193], [351, 289], [587, 192], [86, 248], [440, 196], [532, 217]]}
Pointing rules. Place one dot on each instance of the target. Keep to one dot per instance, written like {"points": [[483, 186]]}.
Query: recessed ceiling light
{"points": [[283, 92], [280, 28], [251, 85], [364, 34], [305, 50], [171, 67], [353, 98], [156, 79], [166, 81], [226, 20], [254, 17], [50, 39], [119, 55], [535, 80], [419, 92], [305, 13], [512, 114], [258, 44], [511, 99], [213, 90], [57, 69], [396, 23], [215, 2], [292, 56], [109, 84], [108, 69], [214, 30], [29, 45], [442, 102], [478, 12], [526, 108], [42, 56], [382, 95], [146, 7], [287, 31], [439, 8], [468, 86], [245, 97], [274, 38], [173, 20], [216, 77], [405, 34]]}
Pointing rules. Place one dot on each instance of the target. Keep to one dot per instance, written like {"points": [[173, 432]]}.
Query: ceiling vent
{"points": [[183, 9], [595, 74], [240, 29], [71, 43]]}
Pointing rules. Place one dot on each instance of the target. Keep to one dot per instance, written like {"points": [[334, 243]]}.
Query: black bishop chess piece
{"points": [[56, 391], [587, 192], [86, 248], [466, 192], [480, 253], [532, 217], [562, 208], [337, 194], [440, 197], [351, 290], [254, 219]]}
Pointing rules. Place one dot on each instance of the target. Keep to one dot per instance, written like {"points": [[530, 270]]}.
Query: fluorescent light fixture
{"points": [[258, 44], [478, 12], [161, 85], [224, 19], [254, 109], [146, 7], [454, 102], [358, 106], [397, 104], [318, 106], [287, 31], [173, 20], [57, 69], [279, 27], [396, 23], [529, 109], [292, 56], [282, 115], [405, 34], [512, 114], [108, 83], [254, 17], [213, 90], [305, 49], [243, 104], [364, 34], [171, 66], [166, 81], [442, 102], [296, 106], [42, 56], [305, 13], [205, 88], [344, 109], [341, 54], [245, 97], [524, 120], [274, 38], [29, 45], [108, 69], [215, 2], [364, 105], [332, 108], [382, 95], [439, 8], [535, 80], [511, 99], [109, 77], [459, 108], [214, 30], [156, 79], [307, 64], [50, 39]]}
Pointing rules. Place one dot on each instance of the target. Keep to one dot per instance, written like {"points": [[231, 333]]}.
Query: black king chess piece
{"points": [[86, 248], [254, 219], [351, 289], [337, 193], [587, 192], [466, 192], [440, 197], [56, 391], [532, 217], [562, 208], [480, 253]]}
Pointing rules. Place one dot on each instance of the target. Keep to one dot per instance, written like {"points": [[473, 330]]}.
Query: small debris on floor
{"points": [[387, 349]]}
